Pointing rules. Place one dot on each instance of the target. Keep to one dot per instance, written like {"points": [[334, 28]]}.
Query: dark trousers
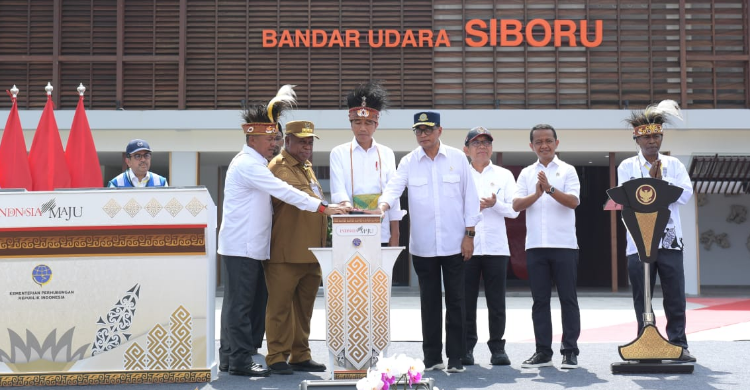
{"points": [[669, 266], [493, 270], [429, 270], [558, 265], [243, 312]]}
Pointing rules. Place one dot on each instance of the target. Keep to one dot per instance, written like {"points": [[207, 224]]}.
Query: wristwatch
{"points": [[551, 190], [470, 233], [322, 207]]}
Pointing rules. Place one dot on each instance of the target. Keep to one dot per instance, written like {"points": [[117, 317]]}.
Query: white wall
{"points": [[720, 266]]}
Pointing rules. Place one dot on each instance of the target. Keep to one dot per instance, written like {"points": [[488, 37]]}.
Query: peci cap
{"points": [[301, 129], [136, 145], [427, 118], [476, 132]]}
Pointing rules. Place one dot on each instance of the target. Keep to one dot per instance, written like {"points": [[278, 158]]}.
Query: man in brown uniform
{"points": [[293, 274]]}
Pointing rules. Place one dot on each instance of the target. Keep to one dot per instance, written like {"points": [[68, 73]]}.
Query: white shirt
{"points": [[373, 168], [549, 224], [142, 183], [674, 172], [443, 200], [491, 238], [246, 224]]}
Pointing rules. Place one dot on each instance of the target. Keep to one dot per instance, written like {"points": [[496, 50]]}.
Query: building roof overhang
{"points": [[720, 174]]}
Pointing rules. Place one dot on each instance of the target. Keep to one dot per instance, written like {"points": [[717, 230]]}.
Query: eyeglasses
{"points": [[425, 130], [477, 143], [144, 156]]}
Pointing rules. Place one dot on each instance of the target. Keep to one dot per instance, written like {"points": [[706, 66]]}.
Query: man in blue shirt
{"points": [[138, 158]]}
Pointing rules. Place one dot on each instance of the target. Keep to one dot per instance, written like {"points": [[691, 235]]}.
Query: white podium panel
{"points": [[107, 286], [357, 276]]}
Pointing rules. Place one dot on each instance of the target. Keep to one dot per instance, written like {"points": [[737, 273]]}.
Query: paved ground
{"points": [[718, 332]]}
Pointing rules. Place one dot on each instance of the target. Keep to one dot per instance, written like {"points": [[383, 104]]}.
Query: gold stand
{"points": [[650, 345], [646, 213], [646, 353]]}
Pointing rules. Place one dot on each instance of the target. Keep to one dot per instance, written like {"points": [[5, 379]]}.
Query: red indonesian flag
{"points": [[49, 170], [14, 161], [81, 152]]}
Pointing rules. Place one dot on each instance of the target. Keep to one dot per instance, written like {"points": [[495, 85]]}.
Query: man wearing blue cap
{"points": [[444, 206], [138, 158]]}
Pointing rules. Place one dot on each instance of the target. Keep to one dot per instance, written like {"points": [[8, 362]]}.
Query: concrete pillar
{"points": [[183, 169], [691, 239]]}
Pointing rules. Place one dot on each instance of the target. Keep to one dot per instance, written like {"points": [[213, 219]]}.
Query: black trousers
{"points": [[493, 270], [243, 312], [429, 271], [671, 272], [558, 265]]}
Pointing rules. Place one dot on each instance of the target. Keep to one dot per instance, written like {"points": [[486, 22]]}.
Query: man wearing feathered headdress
{"points": [[245, 234], [648, 133], [361, 168]]}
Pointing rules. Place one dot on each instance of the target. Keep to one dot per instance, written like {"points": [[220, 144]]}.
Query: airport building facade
{"points": [[178, 72]]}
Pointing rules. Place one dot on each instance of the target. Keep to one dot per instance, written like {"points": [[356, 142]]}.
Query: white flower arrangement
{"points": [[393, 371]]}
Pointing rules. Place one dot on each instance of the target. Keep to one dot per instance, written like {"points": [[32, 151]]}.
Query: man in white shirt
{"points": [[361, 168], [444, 208], [496, 187], [648, 135], [549, 191], [245, 236]]}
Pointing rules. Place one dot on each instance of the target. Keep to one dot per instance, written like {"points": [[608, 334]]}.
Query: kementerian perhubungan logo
{"points": [[41, 274]]}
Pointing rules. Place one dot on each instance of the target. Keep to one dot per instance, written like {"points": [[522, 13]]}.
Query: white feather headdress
{"points": [[650, 120], [264, 118]]}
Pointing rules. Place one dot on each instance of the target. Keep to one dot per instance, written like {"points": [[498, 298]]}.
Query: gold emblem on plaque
{"points": [[645, 194]]}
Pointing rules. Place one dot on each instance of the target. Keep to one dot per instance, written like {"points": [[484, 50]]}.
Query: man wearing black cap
{"points": [[496, 187], [138, 158], [444, 208], [549, 191]]}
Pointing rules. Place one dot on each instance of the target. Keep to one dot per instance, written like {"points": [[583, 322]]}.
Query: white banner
{"points": [[107, 281]]}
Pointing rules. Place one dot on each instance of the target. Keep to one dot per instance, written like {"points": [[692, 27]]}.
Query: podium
{"points": [[645, 211], [357, 274], [107, 286]]}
